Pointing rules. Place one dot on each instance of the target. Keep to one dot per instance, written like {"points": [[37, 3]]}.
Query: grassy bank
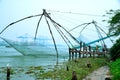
{"points": [[58, 72], [79, 66]]}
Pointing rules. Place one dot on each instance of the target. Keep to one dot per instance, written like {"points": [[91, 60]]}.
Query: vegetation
{"points": [[114, 29], [115, 50], [79, 66], [115, 69], [59, 72], [114, 22]]}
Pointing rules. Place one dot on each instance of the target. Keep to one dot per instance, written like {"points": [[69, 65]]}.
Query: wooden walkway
{"points": [[85, 52]]}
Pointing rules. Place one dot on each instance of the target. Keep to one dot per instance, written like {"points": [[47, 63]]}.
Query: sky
{"points": [[13, 10]]}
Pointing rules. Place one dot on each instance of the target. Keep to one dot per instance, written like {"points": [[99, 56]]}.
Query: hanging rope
{"points": [[84, 27], [99, 34], [78, 13], [77, 26], [63, 28], [71, 36], [62, 34], [104, 32]]}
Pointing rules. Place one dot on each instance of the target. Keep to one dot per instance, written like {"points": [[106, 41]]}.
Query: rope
{"points": [[77, 26], [99, 34], [66, 18], [63, 36], [63, 28], [84, 14], [61, 33], [71, 36], [84, 27], [105, 33]]}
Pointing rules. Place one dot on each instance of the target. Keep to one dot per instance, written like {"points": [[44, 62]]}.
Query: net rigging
{"points": [[61, 30], [98, 29], [58, 27], [84, 14]]}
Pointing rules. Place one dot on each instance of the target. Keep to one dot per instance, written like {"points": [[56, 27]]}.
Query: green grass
{"points": [[59, 72], [115, 69], [79, 66]]}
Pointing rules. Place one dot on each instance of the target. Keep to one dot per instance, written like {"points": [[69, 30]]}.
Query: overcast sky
{"points": [[12, 10]]}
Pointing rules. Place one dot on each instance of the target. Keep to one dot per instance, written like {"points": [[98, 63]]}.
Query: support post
{"points": [[72, 54], [79, 53], [75, 53], [8, 73], [97, 50], [80, 49], [69, 53], [89, 50], [83, 50]]}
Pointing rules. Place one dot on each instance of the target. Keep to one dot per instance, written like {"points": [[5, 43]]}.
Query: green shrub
{"points": [[115, 50], [115, 69]]}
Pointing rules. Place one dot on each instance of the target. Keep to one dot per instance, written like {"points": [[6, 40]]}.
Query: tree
{"points": [[115, 50], [114, 22], [114, 29]]}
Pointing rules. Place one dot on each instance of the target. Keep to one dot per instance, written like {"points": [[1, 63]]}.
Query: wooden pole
{"points": [[79, 53], [69, 53], [80, 49], [89, 50], [75, 53], [8, 73], [72, 54]]}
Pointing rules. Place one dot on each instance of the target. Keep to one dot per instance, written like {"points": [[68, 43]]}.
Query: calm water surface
{"points": [[18, 62]]}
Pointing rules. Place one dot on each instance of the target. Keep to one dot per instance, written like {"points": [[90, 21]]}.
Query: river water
{"points": [[17, 62]]}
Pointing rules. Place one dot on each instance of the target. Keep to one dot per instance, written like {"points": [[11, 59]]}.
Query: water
{"points": [[19, 62], [27, 61], [13, 57]]}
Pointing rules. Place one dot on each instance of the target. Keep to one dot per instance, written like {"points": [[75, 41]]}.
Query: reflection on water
{"points": [[14, 58], [27, 60], [21, 64]]}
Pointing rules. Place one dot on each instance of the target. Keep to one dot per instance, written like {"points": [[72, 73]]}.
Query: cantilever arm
{"points": [[38, 26], [18, 21]]}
